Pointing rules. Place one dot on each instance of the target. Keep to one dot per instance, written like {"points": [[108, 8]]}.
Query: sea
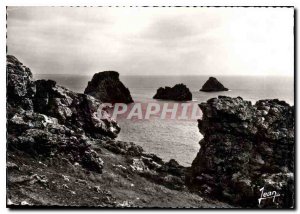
{"points": [[179, 139]]}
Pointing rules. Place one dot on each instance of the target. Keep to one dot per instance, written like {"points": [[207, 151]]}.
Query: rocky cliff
{"points": [[245, 148], [107, 87], [20, 86], [179, 92], [212, 84], [45, 119], [60, 153]]}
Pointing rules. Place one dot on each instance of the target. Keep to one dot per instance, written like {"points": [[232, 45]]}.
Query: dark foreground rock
{"points": [[60, 152], [107, 87], [245, 148], [20, 86], [212, 84], [149, 166], [45, 120], [179, 92], [78, 111]]}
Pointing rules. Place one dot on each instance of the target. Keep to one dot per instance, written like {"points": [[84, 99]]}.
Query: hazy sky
{"points": [[158, 41]]}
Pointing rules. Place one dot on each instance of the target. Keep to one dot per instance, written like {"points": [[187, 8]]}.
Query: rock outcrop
{"points": [[20, 86], [79, 111], [245, 148], [149, 166], [60, 152], [179, 92], [107, 87], [212, 84], [46, 120]]}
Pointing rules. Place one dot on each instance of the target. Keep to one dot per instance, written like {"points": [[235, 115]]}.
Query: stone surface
{"points": [[58, 128], [46, 120], [212, 84], [42, 137], [245, 147], [149, 166], [121, 147], [107, 87], [79, 111], [179, 92], [20, 86]]}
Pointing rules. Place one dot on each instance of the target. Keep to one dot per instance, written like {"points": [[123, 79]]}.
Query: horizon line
{"points": [[164, 75]]}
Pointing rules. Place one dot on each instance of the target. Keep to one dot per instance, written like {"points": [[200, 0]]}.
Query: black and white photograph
{"points": [[150, 107]]}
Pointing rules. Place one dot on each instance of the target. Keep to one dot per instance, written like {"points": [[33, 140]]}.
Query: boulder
{"points": [[121, 147], [43, 137], [20, 85], [245, 148], [46, 120], [172, 167], [179, 92], [107, 87], [212, 84], [79, 111]]}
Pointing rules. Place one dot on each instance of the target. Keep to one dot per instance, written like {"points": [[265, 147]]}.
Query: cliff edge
{"points": [[60, 153], [246, 148]]}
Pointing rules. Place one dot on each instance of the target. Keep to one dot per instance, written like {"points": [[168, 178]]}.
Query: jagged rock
{"points": [[152, 161], [212, 84], [168, 180], [243, 148], [77, 111], [169, 174], [107, 87], [173, 168], [52, 136], [137, 164], [73, 109], [121, 147], [179, 92], [44, 144], [91, 160], [20, 86], [46, 120]]}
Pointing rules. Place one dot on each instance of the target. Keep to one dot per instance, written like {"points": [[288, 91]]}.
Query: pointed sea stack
{"points": [[177, 93], [107, 87], [212, 84]]}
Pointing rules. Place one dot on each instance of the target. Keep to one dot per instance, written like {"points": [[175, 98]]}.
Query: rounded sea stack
{"points": [[179, 92]]}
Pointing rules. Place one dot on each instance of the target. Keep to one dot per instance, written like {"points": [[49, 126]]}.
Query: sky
{"points": [[153, 41]]}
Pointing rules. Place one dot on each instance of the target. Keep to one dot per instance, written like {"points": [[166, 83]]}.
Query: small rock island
{"points": [[212, 85], [107, 87], [179, 92]]}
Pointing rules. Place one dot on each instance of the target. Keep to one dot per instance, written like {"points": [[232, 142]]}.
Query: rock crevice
{"points": [[245, 147], [47, 120]]}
